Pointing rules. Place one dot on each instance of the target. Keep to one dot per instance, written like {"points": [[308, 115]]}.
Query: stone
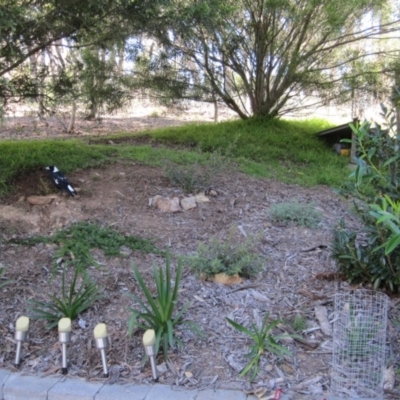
{"points": [[159, 392], [321, 315], [40, 200], [201, 198], [211, 394], [165, 204], [227, 279], [123, 392], [74, 389], [188, 203], [28, 387]]}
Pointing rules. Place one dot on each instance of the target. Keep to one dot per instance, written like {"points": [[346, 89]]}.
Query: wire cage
{"points": [[359, 337]]}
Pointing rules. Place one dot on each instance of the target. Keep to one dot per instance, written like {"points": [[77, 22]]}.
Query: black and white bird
{"points": [[60, 180]]}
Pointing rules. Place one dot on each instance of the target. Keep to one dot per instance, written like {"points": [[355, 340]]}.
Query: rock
{"points": [[389, 378], [213, 193], [188, 203], [165, 204], [227, 279], [321, 315], [201, 198], [40, 200]]}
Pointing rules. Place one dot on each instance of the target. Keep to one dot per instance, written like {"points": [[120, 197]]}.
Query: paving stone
{"points": [[18, 387], [164, 392], [74, 389], [211, 394], [123, 392], [4, 375]]}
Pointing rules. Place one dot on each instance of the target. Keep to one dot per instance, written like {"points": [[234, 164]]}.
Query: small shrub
{"points": [[298, 213], [227, 257], [263, 341], [72, 302], [198, 175], [158, 312]]}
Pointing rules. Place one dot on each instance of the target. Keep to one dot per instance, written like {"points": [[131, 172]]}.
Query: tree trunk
{"points": [[71, 125], [41, 84], [397, 99]]}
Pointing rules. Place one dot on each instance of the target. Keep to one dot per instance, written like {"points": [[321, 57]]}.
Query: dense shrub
{"points": [[372, 254]]}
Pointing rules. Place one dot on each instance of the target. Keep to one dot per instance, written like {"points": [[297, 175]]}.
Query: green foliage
{"points": [[158, 312], [197, 176], [360, 334], [76, 241], [286, 150], [298, 213], [298, 323], [226, 49], [373, 254], [227, 257], [263, 341], [4, 283], [72, 302], [24, 156]]}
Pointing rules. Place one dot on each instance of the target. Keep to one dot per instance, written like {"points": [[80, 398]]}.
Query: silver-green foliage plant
{"points": [[159, 312], [227, 257], [73, 300], [197, 176], [263, 341], [360, 336], [300, 214]]}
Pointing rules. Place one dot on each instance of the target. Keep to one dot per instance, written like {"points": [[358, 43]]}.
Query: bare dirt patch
{"points": [[298, 276]]}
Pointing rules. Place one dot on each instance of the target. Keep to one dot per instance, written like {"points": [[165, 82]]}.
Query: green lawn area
{"points": [[285, 150]]}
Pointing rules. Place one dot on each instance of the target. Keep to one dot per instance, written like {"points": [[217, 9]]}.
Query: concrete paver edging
{"points": [[15, 386]]}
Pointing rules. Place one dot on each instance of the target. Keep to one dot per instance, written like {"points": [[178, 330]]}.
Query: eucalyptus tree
{"points": [[267, 57], [32, 29]]}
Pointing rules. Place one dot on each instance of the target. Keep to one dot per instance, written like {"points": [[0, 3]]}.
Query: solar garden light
{"points": [[149, 343], [21, 334], [101, 339], [64, 336]]}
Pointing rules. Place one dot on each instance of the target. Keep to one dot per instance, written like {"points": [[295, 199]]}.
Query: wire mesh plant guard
{"points": [[359, 337]]}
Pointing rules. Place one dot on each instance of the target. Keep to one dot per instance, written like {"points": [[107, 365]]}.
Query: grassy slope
{"points": [[285, 150]]}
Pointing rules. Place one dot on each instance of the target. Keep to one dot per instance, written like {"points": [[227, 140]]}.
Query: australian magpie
{"points": [[60, 180]]}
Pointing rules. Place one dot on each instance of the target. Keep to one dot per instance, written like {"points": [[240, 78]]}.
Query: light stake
{"points": [[101, 339], [21, 333], [149, 343], [64, 336]]}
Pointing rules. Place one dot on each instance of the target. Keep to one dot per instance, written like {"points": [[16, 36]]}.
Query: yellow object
{"points": [[100, 331], [22, 324], [345, 152], [64, 325], [149, 337]]}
